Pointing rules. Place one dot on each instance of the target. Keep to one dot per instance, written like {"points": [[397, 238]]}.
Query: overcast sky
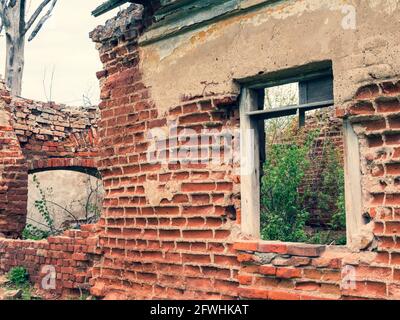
{"points": [[63, 45]]}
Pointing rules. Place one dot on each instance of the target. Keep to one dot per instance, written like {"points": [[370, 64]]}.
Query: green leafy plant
{"points": [[34, 233], [18, 279], [31, 231], [288, 196], [18, 276], [282, 211], [338, 221]]}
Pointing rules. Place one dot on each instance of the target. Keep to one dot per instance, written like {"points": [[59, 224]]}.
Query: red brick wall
{"points": [[330, 131], [167, 232], [66, 135], [291, 271], [72, 256], [13, 174], [39, 136]]}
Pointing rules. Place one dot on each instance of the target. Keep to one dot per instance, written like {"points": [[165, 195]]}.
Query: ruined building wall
{"points": [[13, 174], [53, 135], [173, 230], [39, 136], [163, 233], [271, 270], [167, 228], [42, 136]]}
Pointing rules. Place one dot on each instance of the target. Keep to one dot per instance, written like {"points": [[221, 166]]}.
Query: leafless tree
{"points": [[16, 27]]}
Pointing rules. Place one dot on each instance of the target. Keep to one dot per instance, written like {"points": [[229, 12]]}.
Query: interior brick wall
{"points": [[330, 130], [39, 136]]}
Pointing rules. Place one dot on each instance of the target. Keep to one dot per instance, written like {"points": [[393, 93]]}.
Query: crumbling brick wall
{"points": [[13, 174], [173, 230], [39, 136], [274, 270], [67, 260], [152, 249], [167, 228], [66, 135]]}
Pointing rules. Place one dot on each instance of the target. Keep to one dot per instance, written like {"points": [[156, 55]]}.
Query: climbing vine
{"points": [[38, 230]]}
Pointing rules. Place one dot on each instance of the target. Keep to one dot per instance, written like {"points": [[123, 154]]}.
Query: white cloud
{"points": [[63, 45]]}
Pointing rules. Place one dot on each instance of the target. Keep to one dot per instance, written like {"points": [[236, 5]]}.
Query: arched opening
{"points": [[60, 199]]}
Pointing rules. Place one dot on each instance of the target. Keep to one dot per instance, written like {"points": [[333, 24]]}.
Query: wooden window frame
{"points": [[252, 111]]}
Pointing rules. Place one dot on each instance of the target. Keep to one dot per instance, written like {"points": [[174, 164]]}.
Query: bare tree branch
{"points": [[42, 21], [65, 209], [13, 22], [36, 14], [35, 221]]}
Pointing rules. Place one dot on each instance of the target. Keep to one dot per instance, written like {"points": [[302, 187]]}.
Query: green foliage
{"points": [[18, 279], [41, 205], [47, 227], [282, 211], [18, 276], [287, 198], [338, 221], [93, 212], [27, 293], [32, 232]]}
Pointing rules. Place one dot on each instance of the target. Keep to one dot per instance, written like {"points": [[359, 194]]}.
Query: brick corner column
{"points": [[13, 174]]}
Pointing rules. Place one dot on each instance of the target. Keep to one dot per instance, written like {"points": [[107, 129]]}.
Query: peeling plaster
{"points": [[270, 39], [156, 193]]}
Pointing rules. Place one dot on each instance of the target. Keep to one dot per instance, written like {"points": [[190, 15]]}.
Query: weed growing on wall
{"points": [[33, 232], [19, 285], [38, 230], [18, 276]]}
